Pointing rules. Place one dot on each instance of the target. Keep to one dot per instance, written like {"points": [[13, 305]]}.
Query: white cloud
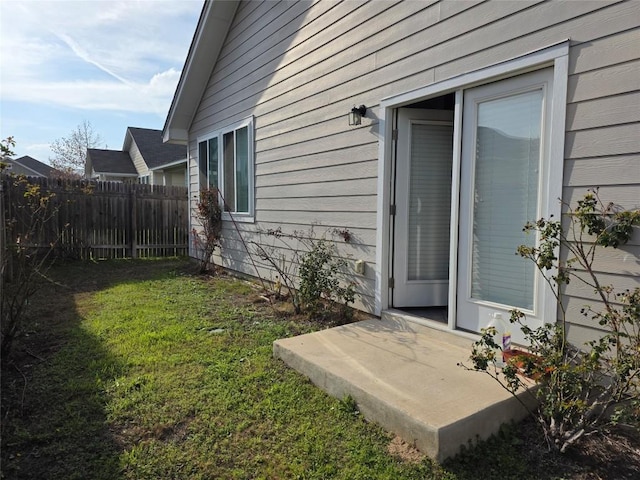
{"points": [[164, 82], [101, 55], [152, 96]]}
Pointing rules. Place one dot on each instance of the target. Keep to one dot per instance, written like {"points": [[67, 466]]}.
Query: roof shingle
{"points": [[111, 161], [35, 165]]}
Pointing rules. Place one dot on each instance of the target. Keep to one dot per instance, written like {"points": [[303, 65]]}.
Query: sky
{"points": [[113, 63]]}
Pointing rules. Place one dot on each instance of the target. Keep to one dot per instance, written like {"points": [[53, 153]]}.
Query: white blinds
{"points": [[505, 197], [429, 202]]}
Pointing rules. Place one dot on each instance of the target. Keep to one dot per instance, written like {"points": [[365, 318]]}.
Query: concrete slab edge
{"points": [[392, 419]]}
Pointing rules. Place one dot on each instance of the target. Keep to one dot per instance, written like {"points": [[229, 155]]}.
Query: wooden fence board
{"points": [[103, 219]]}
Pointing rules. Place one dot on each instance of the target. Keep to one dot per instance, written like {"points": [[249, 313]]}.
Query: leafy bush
{"points": [[315, 268], [580, 391], [319, 273]]}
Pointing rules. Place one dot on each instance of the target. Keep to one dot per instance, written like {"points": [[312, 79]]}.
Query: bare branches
{"points": [[70, 153]]}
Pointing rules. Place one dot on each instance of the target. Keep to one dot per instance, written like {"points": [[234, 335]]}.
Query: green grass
{"points": [[139, 370], [157, 374]]}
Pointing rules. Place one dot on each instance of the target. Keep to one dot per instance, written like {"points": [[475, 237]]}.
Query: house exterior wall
{"points": [[138, 160], [171, 176], [298, 67], [175, 175], [18, 169]]}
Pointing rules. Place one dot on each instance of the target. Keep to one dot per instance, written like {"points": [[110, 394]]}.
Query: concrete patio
{"points": [[405, 377]]}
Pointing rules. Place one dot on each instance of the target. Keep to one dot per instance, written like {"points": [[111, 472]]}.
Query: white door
{"points": [[423, 204], [504, 154]]}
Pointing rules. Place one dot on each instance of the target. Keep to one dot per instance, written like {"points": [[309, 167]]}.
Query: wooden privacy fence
{"points": [[89, 219]]}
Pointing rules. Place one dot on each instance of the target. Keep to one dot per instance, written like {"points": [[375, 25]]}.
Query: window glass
{"points": [[226, 162], [242, 170], [229, 172], [429, 201], [213, 162], [202, 163], [505, 197]]}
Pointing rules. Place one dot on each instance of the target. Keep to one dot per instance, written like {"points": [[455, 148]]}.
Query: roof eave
{"points": [[36, 172], [212, 29], [169, 164], [178, 136]]}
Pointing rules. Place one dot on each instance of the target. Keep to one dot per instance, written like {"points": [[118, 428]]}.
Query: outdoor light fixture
{"points": [[356, 114]]}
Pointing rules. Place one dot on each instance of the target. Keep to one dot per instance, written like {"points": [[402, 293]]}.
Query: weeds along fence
{"points": [[90, 219]]}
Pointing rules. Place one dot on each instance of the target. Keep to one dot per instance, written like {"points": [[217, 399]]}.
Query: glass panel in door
{"points": [[503, 153], [505, 197]]}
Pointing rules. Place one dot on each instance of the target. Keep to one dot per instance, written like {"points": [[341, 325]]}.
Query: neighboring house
{"points": [[144, 158], [110, 166], [479, 116], [156, 162], [31, 167]]}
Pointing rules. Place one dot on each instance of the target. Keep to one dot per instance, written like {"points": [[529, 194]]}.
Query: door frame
{"points": [[556, 56]]}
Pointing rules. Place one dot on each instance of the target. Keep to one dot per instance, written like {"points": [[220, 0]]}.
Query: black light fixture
{"points": [[356, 114]]}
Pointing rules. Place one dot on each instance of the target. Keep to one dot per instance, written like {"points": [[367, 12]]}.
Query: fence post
{"points": [[134, 221], [3, 246]]}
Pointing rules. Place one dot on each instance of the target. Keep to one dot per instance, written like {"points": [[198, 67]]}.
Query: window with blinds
{"points": [[429, 216], [505, 197]]}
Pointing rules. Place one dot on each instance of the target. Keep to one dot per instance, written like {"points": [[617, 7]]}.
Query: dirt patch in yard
{"points": [[522, 451], [615, 456], [408, 453]]}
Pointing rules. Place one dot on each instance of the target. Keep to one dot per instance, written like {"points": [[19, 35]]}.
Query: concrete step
{"points": [[405, 377]]}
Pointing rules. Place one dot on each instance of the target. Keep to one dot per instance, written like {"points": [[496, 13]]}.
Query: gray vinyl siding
{"points": [[18, 169], [602, 147], [299, 66]]}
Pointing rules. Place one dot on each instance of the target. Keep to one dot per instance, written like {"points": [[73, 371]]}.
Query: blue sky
{"points": [[113, 63]]}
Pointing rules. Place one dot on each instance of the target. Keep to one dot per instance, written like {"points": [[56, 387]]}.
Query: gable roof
{"points": [[211, 31], [154, 152], [34, 165], [111, 161]]}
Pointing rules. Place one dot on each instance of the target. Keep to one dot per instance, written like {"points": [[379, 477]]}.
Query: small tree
{"points": [[207, 239], [70, 153], [25, 260], [580, 391]]}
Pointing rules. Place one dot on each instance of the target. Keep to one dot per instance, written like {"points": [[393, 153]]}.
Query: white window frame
{"points": [[556, 56], [219, 134]]}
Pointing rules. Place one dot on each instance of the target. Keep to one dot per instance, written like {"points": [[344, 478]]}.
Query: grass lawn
{"points": [[138, 369]]}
